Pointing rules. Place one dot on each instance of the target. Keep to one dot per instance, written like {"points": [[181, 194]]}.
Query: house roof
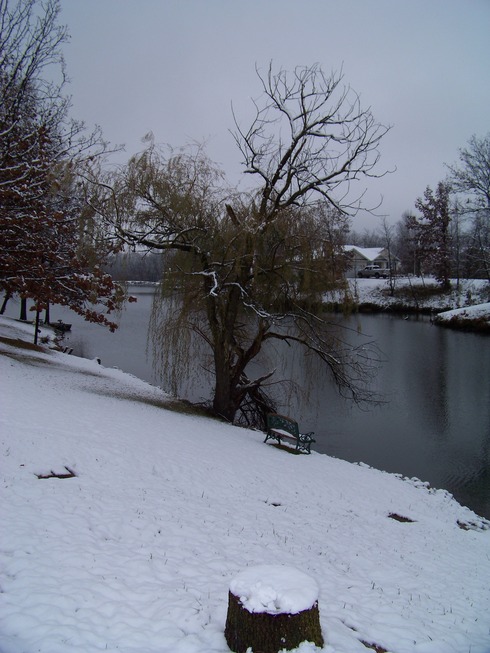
{"points": [[369, 253]]}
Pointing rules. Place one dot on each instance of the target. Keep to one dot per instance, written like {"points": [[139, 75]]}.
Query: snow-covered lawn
{"points": [[465, 305], [136, 552], [480, 312], [469, 292]]}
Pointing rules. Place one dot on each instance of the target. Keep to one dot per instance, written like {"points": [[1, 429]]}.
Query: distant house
{"points": [[359, 257]]}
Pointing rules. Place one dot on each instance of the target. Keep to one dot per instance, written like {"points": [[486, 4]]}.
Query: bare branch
{"points": [[310, 136]]}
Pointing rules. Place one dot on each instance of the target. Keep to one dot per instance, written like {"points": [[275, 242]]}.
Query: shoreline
{"points": [[465, 307]]}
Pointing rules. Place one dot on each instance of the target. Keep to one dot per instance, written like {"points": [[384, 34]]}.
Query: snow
{"points": [[469, 295], [275, 589], [369, 253], [476, 312], [136, 553]]}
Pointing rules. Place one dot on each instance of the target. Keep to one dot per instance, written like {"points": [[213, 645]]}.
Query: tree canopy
{"points": [[249, 268], [431, 232], [47, 254]]}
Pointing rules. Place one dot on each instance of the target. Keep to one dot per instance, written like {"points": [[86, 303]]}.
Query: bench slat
{"points": [[285, 434]]}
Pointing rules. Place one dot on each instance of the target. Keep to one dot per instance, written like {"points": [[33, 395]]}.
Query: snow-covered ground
{"points": [[136, 552], [468, 313], [466, 303], [469, 292]]}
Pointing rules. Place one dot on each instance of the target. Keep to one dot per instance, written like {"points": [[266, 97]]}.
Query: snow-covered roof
{"points": [[369, 253]]}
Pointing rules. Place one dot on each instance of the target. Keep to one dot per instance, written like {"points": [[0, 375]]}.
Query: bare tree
{"points": [[472, 179], [368, 238], [250, 269], [405, 244], [310, 137], [387, 232]]}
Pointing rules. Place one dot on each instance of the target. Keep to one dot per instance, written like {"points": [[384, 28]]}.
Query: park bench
{"points": [[280, 428]]}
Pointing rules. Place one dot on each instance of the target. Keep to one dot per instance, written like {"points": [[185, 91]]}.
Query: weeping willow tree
{"points": [[251, 268]]}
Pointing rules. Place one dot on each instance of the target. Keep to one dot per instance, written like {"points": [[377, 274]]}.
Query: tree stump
{"points": [[272, 608]]}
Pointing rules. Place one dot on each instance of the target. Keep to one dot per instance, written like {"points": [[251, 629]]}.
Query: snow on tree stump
{"points": [[272, 608]]}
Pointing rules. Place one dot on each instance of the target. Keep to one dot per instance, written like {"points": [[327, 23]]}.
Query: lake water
{"points": [[434, 424]]}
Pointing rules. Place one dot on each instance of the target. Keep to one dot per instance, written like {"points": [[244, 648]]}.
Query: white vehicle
{"points": [[373, 271]]}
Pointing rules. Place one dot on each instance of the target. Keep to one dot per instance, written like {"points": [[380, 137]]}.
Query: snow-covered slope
{"points": [[136, 552]]}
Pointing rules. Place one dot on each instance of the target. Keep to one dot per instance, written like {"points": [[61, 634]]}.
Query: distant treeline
{"points": [[137, 266]]}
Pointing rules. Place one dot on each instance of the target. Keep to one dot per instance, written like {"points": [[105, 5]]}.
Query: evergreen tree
{"points": [[432, 232]]}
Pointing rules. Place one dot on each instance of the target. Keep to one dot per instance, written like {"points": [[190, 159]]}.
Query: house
{"points": [[359, 257]]}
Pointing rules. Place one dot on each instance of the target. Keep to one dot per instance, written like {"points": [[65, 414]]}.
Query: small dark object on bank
{"points": [[400, 518], [61, 326], [70, 474]]}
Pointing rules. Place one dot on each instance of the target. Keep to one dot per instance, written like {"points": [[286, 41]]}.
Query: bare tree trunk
{"points": [[8, 295], [36, 327], [23, 309], [224, 402], [222, 315]]}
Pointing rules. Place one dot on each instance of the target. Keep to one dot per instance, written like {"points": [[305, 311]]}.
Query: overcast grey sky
{"points": [[173, 67]]}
